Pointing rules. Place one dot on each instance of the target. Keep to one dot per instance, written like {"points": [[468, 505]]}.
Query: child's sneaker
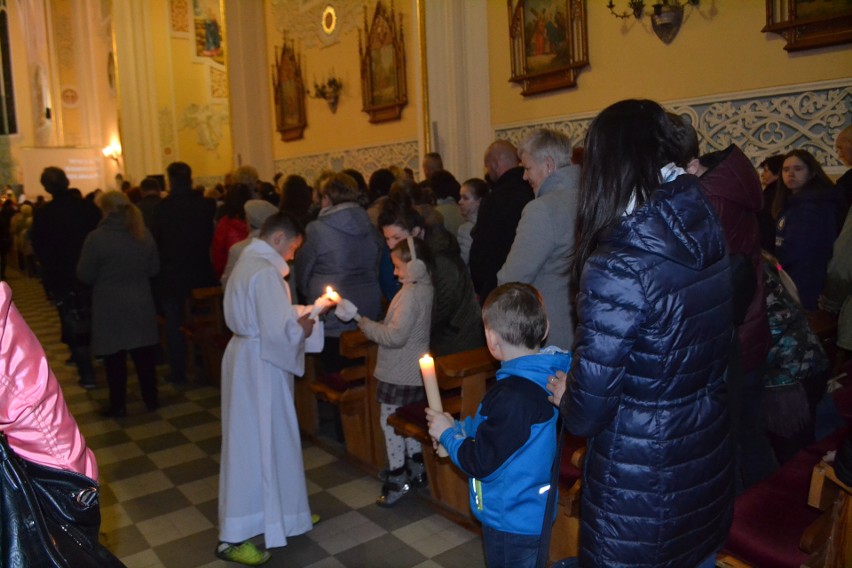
{"points": [[244, 553], [416, 471], [395, 488]]}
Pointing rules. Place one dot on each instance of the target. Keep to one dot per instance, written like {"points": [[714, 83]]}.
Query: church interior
{"points": [[109, 88]]}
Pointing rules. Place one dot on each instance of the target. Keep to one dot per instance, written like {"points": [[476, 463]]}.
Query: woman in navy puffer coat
{"points": [[650, 352]]}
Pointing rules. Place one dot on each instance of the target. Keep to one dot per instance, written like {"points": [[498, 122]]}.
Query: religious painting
{"points": [[809, 24], [549, 43], [209, 42], [382, 52], [290, 117]]}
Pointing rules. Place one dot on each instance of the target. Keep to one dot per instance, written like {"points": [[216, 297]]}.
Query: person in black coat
{"points": [[810, 213], [499, 215], [59, 229], [6, 213], [183, 229]]}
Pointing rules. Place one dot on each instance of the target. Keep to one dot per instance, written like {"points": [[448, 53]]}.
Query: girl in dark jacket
{"points": [[650, 351], [456, 316], [809, 213]]}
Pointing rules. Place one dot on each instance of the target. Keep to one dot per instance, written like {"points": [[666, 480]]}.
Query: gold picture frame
{"points": [[382, 53], [549, 43], [808, 25], [290, 116]]}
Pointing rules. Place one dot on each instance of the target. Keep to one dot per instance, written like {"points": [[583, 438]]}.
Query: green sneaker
{"points": [[244, 553], [315, 519]]}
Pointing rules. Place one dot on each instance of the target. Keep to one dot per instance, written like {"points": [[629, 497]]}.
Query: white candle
{"points": [[328, 299], [433, 394]]}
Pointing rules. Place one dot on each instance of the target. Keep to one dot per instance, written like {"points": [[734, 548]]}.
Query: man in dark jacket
{"points": [[499, 214], [59, 229], [183, 228], [150, 191], [732, 186]]}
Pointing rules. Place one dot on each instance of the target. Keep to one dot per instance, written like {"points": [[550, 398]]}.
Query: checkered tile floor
{"points": [[159, 481]]}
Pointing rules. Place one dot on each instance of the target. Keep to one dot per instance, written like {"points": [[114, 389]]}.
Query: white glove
{"points": [[346, 310]]}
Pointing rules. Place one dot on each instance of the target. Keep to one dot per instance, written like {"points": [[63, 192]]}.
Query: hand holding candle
{"points": [[324, 302], [433, 395]]}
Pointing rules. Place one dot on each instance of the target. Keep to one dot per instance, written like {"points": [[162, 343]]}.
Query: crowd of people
{"points": [[631, 290]]}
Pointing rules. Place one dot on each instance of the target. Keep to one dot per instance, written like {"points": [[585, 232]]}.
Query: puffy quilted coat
{"points": [[733, 188], [650, 356]]}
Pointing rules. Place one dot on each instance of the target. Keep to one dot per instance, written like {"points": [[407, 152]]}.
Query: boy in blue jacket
{"points": [[507, 449]]}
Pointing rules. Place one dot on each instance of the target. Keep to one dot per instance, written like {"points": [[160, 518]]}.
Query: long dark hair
{"points": [[235, 199], [626, 145], [818, 179]]}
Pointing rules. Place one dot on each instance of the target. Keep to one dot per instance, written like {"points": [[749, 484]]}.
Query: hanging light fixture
{"points": [[666, 18]]}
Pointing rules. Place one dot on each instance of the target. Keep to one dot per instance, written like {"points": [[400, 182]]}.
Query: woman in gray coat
{"points": [[341, 250], [118, 259], [542, 254]]}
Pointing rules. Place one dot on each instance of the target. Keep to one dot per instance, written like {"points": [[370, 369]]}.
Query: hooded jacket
{"points": [[507, 448], [456, 316], [341, 250], [733, 188], [650, 358]]}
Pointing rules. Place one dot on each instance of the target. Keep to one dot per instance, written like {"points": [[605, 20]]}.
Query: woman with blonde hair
{"points": [[118, 260]]}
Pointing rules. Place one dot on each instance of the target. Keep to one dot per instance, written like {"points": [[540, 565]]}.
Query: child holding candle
{"points": [[509, 446], [402, 337]]}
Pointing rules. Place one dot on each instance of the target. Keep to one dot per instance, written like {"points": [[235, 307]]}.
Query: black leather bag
{"points": [[50, 517], [75, 312]]}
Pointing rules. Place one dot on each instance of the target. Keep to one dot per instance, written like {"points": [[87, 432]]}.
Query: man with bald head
{"points": [[499, 214]]}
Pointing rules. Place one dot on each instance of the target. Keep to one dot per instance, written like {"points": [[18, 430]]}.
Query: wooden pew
{"points": [[350, 390], [565, 535], [829, 539], [304, 398], [205, 330]]}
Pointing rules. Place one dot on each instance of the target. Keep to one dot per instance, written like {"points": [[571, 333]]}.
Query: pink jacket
{"points": [[33, 414]]}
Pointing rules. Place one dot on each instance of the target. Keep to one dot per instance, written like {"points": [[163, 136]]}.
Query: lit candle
{"points": [[328, 299], [331, 294], [433, 394]]}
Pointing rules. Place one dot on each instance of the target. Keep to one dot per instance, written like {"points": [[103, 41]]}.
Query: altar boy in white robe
{"points": [[262, 480]]}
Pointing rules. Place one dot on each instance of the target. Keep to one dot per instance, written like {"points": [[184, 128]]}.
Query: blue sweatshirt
{"points": [[507, 448]]}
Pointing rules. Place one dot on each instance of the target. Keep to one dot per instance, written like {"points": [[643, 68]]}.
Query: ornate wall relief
{"points": [[307, 21], [208, 121], [762, 123], [365, 160]]}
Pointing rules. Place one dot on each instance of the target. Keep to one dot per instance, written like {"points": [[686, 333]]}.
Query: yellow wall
{"points": [[720, 49], [182, 80], [348, 127], [10, 169], [64, 35]]}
